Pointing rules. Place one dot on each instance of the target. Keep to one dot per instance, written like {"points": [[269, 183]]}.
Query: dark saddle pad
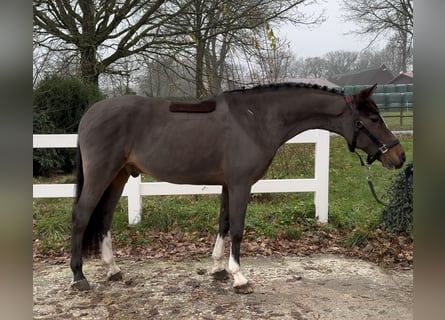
{"points": [[197, 107]]}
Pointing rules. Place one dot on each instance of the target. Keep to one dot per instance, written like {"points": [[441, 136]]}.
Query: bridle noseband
{"points": [[359, 126]]}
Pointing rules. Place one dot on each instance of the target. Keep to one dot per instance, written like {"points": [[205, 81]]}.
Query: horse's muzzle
{"points": [[393, 158]]}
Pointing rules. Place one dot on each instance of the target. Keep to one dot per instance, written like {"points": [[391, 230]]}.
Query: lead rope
{"points": [[371, 185]]}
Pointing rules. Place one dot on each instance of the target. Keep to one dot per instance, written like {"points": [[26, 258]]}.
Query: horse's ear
{"points": [[366, 93]]}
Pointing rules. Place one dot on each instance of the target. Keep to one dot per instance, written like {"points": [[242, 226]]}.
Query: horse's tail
{"points": [[79, 175], [92, 236]]}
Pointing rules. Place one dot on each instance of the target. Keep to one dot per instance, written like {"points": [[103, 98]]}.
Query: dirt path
{"points": [[317, 287]]}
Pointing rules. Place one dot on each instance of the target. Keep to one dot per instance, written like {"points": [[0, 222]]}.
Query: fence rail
{"points": [[135, 188]]}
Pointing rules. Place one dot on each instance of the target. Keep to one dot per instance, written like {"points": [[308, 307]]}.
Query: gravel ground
{"points": [[314, 287]]}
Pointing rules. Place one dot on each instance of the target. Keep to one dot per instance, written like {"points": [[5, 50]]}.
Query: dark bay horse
{"points": [[228, 140]]}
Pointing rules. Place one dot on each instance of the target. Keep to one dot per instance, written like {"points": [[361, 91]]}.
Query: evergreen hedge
{"points": [[399, 219], [58, 104]]}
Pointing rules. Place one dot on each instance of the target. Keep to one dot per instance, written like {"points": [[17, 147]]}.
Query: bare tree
{"points": [[314, 67], [106, 37], [339, 62], [271, 59], [164, 76], [216, 27], [370, 59], [103, 32], [393, 18]]}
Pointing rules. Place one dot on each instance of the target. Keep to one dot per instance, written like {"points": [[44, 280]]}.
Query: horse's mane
{"points": [[287, 85]]}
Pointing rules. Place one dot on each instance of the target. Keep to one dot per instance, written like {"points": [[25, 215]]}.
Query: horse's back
{"points": [[119, 109], [109, 126]]}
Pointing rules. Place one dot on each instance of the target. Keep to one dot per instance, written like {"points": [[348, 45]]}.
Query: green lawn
{"points": [[397, 120]]}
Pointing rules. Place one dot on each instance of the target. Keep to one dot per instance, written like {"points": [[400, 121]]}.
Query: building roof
{"points": [[403, 78], [380, 75]]}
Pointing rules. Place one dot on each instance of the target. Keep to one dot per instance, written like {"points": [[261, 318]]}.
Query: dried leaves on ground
{"points": [[381, 247]]}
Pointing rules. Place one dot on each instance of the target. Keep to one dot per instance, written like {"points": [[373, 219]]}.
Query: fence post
{"points": [[134, 200], [321, 196]]}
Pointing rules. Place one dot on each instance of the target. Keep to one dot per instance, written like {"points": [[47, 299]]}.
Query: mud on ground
{"points": [[315, 287]]}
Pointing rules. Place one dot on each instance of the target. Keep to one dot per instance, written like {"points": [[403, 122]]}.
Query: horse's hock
{"points": [[317, 287]]}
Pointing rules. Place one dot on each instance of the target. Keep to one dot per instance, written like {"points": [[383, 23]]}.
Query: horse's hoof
{"points": [[244, 289], [116, 277], [81, 285], [221, 275]]}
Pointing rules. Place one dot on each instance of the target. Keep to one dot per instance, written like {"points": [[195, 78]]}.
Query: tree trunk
{"points": [[405, 49], [88, 66], [199, 76], [87, 46]]}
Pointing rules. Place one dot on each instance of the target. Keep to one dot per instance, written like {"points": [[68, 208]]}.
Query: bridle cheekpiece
{"points": [[359, 126]]}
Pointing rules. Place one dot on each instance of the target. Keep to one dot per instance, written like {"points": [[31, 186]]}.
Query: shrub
{"points": [[399, 219], [58, 104]]}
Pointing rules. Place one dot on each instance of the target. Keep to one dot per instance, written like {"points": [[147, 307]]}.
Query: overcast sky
{"points": [[329, 36]]}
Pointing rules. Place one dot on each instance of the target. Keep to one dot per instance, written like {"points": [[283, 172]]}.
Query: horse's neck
{"points": [[319, 111], [281, 114]]}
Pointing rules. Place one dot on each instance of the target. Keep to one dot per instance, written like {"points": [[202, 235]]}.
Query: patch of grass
{"points": [[357, 238], [287, 215], [350, 200], [293, 161], [52, 223], [189, 213], [162, 214], [55, 179], [397, 120], [292, 233]]}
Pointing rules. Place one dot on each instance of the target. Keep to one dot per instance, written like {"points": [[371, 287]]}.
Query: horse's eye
{"points": [[374, 119]]}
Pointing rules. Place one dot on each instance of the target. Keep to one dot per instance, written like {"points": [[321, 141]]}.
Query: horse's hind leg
{"points": [[82, 213], [218, 270], [107, 206], [91, 214]]}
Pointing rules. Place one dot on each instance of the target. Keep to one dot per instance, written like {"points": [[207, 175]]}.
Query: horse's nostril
{"points": [[403, 157]]}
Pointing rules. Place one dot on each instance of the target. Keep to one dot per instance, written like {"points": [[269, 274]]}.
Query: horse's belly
{"points": [[191, 177], [183, 165], [201, 180], [183, 150]]}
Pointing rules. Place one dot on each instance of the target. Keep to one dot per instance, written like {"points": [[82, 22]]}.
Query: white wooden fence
{"points": [[134, 188]]}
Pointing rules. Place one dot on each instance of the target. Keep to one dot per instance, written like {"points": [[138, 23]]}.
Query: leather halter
{"points": [[359, 126]]}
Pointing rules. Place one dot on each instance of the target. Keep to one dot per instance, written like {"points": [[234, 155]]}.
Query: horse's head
{"points": [[370, 132]]}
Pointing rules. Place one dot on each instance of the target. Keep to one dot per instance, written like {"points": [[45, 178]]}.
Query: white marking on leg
{"points": [[218, 255], [234, 269], [107, 255]]}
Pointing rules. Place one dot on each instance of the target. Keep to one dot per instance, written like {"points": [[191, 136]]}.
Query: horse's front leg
{"points": [[239, 197], [218, 271]]}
